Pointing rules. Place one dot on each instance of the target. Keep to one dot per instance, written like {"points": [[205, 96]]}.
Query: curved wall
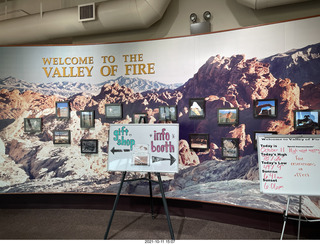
{"points": [[225, 69]]}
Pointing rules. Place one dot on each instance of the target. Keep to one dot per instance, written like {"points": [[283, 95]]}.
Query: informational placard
{"points": [[289, 164], [144, 148]]}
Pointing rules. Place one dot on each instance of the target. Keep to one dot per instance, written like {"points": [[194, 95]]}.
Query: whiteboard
{"points": [[144, 148], [289, 164]]}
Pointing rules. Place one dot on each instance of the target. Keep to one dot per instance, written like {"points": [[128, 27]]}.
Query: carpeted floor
{"points": [[85, 224]]}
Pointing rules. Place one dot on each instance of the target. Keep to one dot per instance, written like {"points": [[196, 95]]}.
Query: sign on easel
{"points": [[289, 164], [144, 148]]}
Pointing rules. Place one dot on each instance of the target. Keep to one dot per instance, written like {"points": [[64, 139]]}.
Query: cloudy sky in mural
{"points": [[173, 60]]}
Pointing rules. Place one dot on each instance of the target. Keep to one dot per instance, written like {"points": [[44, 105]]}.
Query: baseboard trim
{"points": [[247, 217]]}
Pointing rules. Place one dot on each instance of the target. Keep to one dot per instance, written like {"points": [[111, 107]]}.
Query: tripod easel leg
{"points": [[285, 218], [165, 205], [151, 198], [299, 217], [115, 205]]}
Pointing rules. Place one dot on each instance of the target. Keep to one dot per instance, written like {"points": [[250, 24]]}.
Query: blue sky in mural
{"points": [[269, 102], [227, 111]]}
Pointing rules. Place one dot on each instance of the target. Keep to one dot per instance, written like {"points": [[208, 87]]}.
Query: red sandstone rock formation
{"points": [[240, 132], [236, 79], [310, 95], [288, 95], [187, 157], [13, 103], [236, 82]]}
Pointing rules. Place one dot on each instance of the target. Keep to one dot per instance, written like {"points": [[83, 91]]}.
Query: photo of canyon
{"points": [[230, 147], [87, 119], [62, 109], [32, 124], [228, 116], [89, 146], [306, 119], [265, 108], [199, 141]]}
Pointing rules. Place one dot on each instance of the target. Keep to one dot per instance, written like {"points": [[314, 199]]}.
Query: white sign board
{"points": [[289, 164], [144, 148]]}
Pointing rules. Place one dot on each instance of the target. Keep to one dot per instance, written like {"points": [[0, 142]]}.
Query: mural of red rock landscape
{"points": [[31, 162]]}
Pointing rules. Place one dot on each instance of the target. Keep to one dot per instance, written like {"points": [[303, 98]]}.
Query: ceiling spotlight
{"points": [[206, 15], [193, 17]]}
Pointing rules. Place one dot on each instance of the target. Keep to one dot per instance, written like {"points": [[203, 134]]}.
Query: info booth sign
{"points": [[144, 148]]}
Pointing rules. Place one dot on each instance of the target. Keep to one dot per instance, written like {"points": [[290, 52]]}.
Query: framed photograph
{"points": [[87, 119], [265, 108], [140, 118], [256, 134], [32, 125], [306, 119], [113, 111], [197, 108], [228, 116], [199, 141], [168, 113], [89, 146], [61, 137], [63, 110], [230, 148]]}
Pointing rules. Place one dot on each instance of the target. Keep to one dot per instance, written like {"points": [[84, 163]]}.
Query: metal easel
{"points": [[151, 200], [285, 218]]}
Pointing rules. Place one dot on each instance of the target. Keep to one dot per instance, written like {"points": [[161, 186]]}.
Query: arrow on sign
{"points": [[113, 150], [157, 159]]}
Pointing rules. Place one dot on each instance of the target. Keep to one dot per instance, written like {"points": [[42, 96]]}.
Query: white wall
{"points": [[227, 14]]}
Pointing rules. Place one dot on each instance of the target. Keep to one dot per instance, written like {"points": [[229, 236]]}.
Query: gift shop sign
{"points": [[143, 147]]}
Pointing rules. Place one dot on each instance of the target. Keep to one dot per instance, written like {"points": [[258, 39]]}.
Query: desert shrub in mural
{"points": [[31, 162]]}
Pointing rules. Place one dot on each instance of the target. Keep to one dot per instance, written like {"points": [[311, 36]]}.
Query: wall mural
{"points": [[222, 89]]}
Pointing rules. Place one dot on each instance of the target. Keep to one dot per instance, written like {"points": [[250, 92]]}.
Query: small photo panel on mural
{"points": [[256, 134], [61, 137], [141, 118], [265, 108], [32, 124], [228, 116], [173, 112], [230, 148], [140, 155], [62, 109], [197, 108], [306, 119], [199, 141], [89, 146], [168, 113], [86, 119], [113, 111], [140, 159]]}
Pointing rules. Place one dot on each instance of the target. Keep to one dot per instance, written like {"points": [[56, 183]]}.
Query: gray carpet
{"points": [[85, 224]]}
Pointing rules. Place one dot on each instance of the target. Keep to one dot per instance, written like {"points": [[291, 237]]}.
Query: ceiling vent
{"points": [[86, 12], [125, 15]]}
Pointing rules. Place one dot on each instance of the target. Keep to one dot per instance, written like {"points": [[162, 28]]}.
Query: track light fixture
{"points": [[201, 27], [193, 17], [207, 15]]}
